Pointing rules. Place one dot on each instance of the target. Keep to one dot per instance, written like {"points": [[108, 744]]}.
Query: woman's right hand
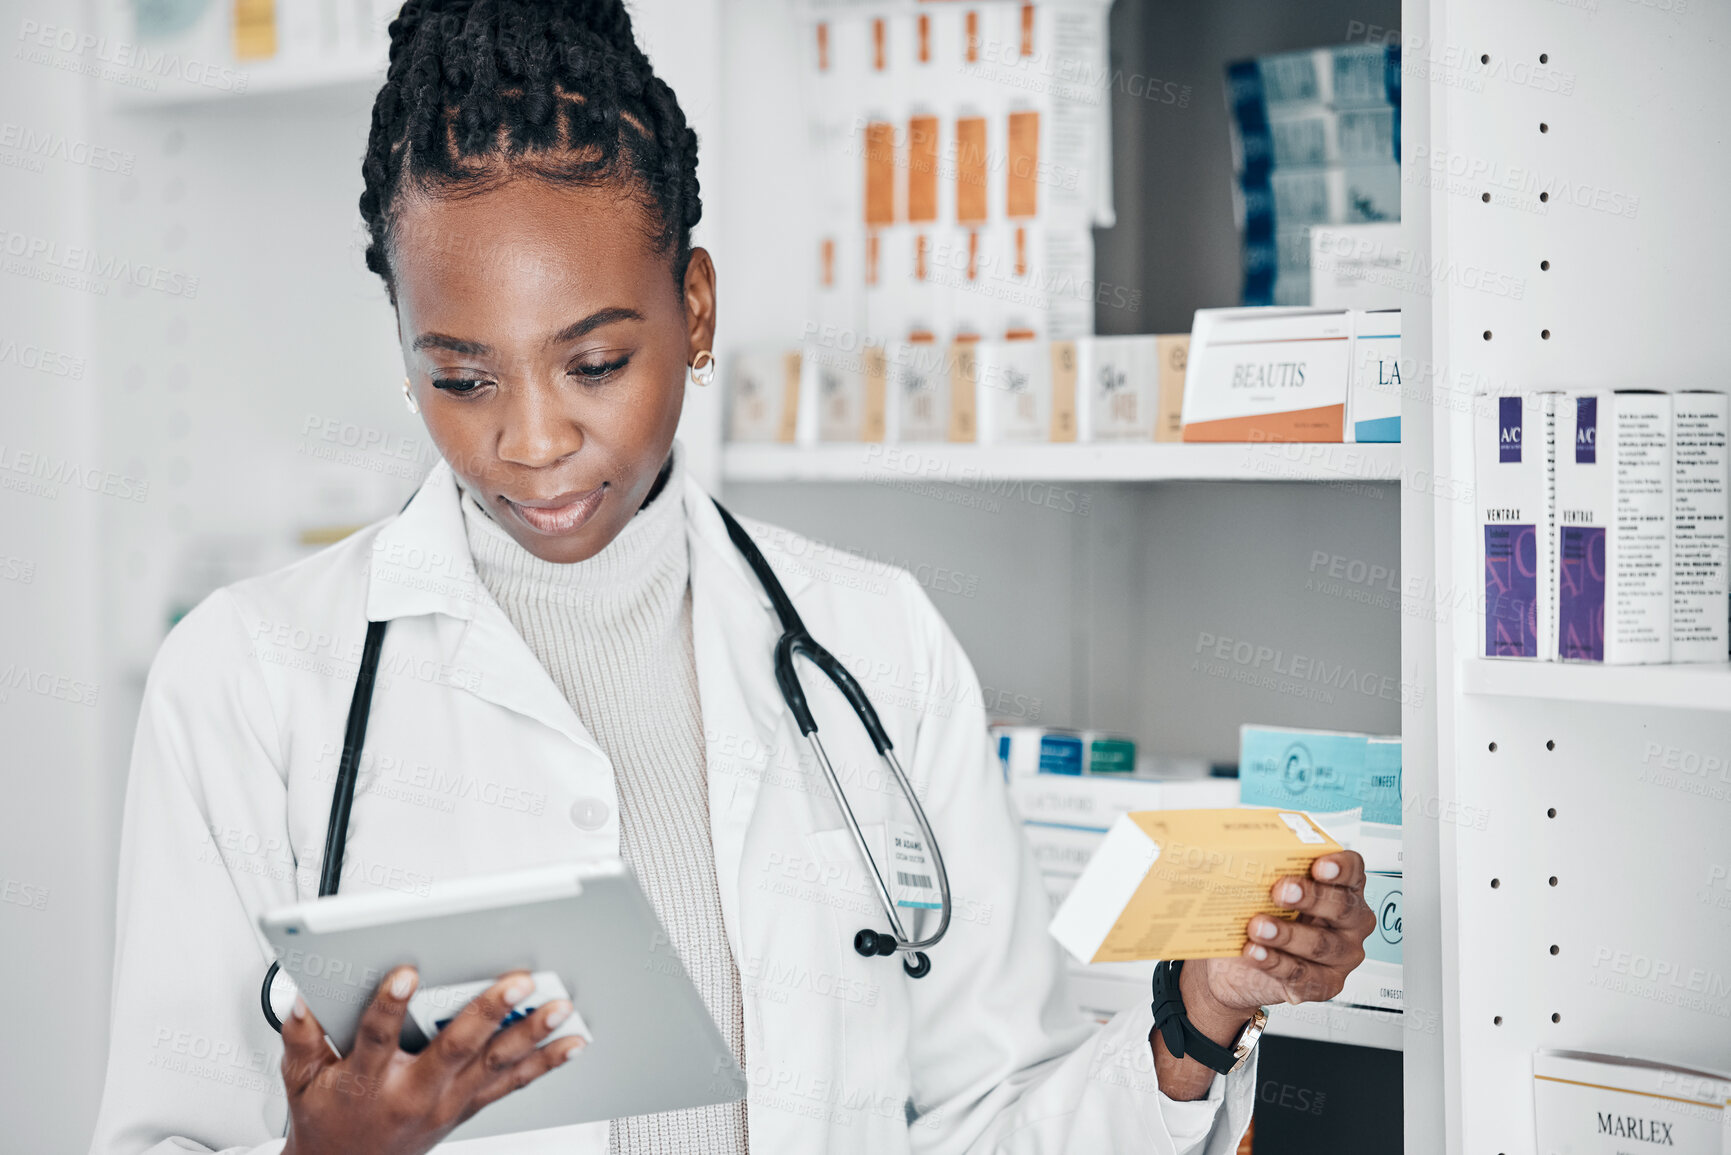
{"points": [[385, 1101]]}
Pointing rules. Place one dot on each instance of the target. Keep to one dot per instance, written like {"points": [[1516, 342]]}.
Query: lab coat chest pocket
{"points": [[451, 788]]}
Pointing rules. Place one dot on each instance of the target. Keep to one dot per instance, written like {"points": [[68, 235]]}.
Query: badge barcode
{"points": [[907, 879]]}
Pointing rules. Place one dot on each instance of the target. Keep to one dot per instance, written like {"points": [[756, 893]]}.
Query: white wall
{"points": [[56, 864]]}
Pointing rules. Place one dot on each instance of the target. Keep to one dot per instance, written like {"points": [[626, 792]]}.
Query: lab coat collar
{"points": [[421, 562]]}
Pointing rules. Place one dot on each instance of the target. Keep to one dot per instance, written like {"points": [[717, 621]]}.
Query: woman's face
{"points": [[547, 346]]}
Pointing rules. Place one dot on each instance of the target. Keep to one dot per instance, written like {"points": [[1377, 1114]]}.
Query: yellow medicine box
{"points": [[1183, 884]]}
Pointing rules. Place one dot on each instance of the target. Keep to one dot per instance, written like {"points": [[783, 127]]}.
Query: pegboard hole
{"points": [[1553, 880], [1551, 813], [1544, 198], [1556, 1018], [1544, 334], [1544, 266], [1495, 883], [1543, 127], [1493, 747], [1487, 334], [1544, 58], [1497, 1022], [1550, 743], [1485, 59], [1555, 949], [1486, 198]]}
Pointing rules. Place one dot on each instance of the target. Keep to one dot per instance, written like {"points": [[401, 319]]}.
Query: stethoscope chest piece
{"points": [[870, 942]]}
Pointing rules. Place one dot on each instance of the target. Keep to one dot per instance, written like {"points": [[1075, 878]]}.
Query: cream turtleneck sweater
{"points": [[615, 634]]}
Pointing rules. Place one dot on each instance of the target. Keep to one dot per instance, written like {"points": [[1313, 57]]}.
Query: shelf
{"points": [[263, 78], [915, 464], [1684, 687], [1334, 1023]]}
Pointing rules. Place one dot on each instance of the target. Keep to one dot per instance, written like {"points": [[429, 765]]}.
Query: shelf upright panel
{"points": [[1430, 1098], [1564, 179]]}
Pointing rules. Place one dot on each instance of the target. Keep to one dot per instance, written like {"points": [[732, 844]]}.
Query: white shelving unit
{"points": [[1703, 687], [1576, 813], [965, 464], [264, 78]]}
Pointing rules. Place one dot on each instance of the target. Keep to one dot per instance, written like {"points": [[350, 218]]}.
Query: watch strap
{"points": [[1182, 1038]]}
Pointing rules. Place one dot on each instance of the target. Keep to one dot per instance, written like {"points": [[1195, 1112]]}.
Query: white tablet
{"points": [[587, 927]]}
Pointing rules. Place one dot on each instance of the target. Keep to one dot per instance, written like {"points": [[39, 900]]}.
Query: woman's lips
{"points": [[562, 514]]}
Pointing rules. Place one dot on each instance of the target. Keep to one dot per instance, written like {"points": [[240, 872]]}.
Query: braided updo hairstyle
{"points": [[481, 91]]}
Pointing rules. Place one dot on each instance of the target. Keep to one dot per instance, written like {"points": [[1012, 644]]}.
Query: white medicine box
{"points": [[1268, 374], [763, 395], [1027, 391], [1373, 410], [1121, 383]]}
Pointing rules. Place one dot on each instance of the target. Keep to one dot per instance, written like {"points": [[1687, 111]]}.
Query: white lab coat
{"points": [[475, 762]]}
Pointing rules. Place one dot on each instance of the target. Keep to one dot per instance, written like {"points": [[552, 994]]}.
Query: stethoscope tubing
{"points": [[795, 641]]}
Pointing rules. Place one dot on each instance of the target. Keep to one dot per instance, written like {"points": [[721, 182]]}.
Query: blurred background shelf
{"points": [[361, 73], [968, 464], [1681, 687]]}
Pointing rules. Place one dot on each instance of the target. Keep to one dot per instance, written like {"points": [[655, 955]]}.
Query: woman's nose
{"points": [[537, 431]]}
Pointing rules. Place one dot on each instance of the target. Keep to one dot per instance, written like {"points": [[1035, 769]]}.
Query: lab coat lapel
{"points": [[734, 631], [421, 564]]}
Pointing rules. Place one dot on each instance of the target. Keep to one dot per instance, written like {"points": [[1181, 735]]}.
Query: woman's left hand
{"points": [[1304, 960]]}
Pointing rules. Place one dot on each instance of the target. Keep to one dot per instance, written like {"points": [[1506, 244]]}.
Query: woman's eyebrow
{"points": [[569, 333], [592, 322], [452, 344]]}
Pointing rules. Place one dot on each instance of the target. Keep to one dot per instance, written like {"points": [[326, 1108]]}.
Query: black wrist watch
{"points": [[1182, 1037]]}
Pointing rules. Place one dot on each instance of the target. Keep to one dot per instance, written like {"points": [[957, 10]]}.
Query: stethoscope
{"points": [[794, 641]]}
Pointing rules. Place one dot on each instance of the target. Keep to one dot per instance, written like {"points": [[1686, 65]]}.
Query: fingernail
{"points": [[558, 1015], [1327, 869], [300, 1011], [403, 985], [1266, 929], [518, 991], [1260, 954], [1291, 893]]}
